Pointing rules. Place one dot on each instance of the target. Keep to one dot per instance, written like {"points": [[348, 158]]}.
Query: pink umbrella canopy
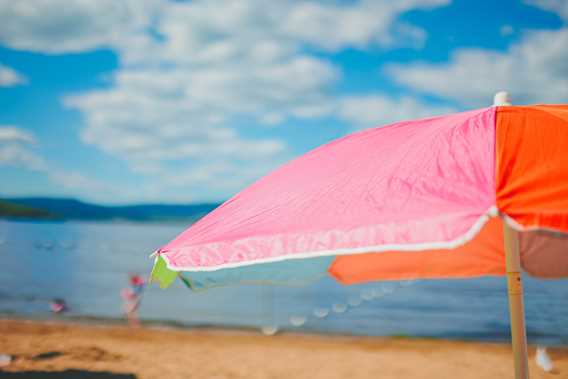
{"points": [[427, 186], [435, 190]]}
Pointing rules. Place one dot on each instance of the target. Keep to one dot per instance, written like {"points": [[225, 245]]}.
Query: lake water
{"points": [[87, 264]]}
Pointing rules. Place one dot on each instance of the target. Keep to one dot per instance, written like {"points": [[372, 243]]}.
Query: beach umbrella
{"points": [[483, 192]]}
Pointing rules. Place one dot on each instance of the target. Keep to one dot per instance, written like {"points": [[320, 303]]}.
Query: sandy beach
{"points": [[58, 350]]}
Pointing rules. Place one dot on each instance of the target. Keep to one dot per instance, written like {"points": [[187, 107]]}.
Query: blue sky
{"points": [[125, 101]]}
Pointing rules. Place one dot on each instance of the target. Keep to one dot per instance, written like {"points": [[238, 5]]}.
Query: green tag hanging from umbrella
{"points": [[162, 274]]}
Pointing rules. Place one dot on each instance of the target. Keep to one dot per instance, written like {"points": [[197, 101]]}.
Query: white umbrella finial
{"points": [[502, 98]]}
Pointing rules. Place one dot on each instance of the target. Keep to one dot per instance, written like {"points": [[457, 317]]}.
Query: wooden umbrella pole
{"points": [[516, 306], [514, 284]]}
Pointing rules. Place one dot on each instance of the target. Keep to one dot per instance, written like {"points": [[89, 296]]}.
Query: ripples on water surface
{"points": [[88, 264]]}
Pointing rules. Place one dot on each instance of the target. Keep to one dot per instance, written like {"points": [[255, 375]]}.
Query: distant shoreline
{"points": [[118, 221], [62, 209]]}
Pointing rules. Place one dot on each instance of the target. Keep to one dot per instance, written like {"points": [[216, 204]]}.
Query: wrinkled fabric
{"points": [[484, 255], [544, 254], [532, 165], [532, 183], [413, 185]]}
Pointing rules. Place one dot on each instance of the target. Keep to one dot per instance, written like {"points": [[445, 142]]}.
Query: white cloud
{"points": [[559, 7], [18, 156], [336, 26], [193, 73], [9, 133], [375, 110], [62, 26], [506, 30], [220, 61], [79, 182], [10, 77], [15, 148], [534, 70], [59, 26]]}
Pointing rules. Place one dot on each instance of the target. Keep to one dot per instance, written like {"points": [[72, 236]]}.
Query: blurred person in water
{"points": [[58, 306], [132, 296]]}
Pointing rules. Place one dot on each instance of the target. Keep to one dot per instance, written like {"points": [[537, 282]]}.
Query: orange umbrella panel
{"points": [[483, 255], [532, 166], [532, 183]]}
